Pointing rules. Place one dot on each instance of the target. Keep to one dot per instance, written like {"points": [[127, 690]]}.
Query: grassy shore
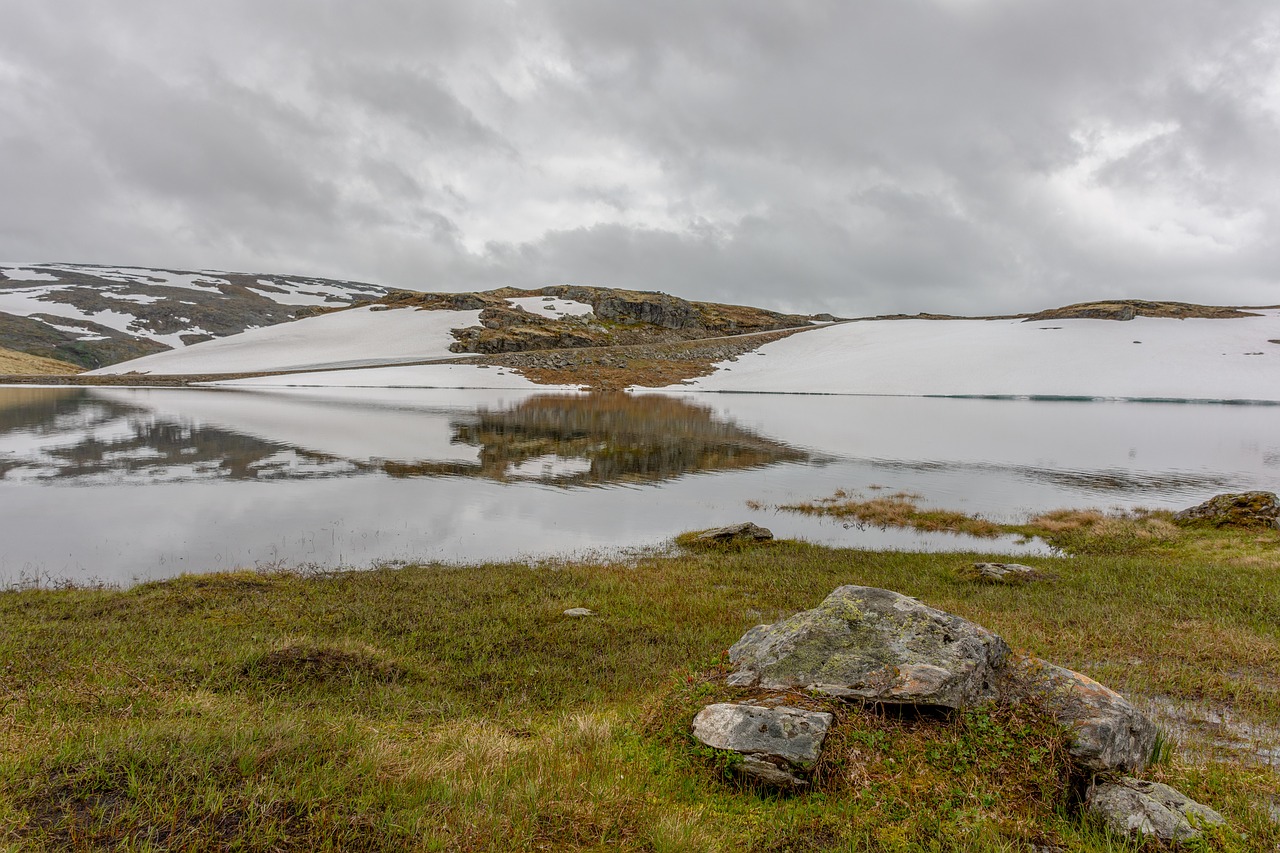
{"points": [[434, 708]]}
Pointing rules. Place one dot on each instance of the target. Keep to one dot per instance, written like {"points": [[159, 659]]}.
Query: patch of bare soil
{"points": [[21, 363]]}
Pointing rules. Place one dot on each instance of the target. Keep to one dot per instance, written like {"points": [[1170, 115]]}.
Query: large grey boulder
{"points": [[1107, 732], [868, 643], [775, 742], [1136, 808], [1241, 509]]}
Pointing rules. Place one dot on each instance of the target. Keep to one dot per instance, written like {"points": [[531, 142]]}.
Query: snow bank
{"points": [[360, 336], [409, 376], [1226, 359]]}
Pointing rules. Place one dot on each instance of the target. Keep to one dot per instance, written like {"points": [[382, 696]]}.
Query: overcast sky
{"points": [[859, 157]]}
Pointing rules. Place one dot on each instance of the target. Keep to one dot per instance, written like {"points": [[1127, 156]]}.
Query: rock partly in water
{"points": [[868, 643], [777, 744], [1108, 734], [1135, 808], [734, 534], [1005, 573], [1242, 509]]}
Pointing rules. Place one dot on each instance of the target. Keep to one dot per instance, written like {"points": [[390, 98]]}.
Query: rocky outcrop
{"points": [[1136, 808], [745, 532], [777, 744], [1127, 309], [867, 643], [1108, 734], [1242, 509]]}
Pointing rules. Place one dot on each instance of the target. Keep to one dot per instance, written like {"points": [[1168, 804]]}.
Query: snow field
{"points": [[1226, 359], [351, 338]]}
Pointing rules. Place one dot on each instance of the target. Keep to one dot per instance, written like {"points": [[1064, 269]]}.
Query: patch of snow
{"points": [[353, 338], [140, 275], [139, 298], [294, 297], [25, 274], [551, 306], [1144, 358]]}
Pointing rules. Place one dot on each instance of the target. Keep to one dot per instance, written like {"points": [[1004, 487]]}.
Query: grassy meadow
{"points": [[443, 708]]}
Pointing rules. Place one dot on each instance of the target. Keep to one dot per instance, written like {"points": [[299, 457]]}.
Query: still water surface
{"points": [[122, 485]]}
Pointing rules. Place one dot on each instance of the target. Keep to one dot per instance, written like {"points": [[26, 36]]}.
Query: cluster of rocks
{"points": [[874, 645]]}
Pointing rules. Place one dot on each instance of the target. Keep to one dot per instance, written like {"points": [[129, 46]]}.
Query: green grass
{"points": [[433, 708]]}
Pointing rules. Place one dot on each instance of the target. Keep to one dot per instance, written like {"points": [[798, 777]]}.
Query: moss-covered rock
{"points": [[1242, 509], [875, 644]]}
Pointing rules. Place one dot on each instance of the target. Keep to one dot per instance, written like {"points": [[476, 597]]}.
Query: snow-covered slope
{"points": [[1220, 359], [360, 336], [95, 315]]}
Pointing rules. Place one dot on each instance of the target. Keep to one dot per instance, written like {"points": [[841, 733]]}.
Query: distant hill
{"points": [[92, 316]]}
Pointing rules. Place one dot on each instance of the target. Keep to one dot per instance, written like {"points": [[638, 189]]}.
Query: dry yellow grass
{"points": [[16, 363]]}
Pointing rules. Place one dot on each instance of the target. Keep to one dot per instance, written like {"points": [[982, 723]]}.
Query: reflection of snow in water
{"points": [[548, 467], [191, 480]]}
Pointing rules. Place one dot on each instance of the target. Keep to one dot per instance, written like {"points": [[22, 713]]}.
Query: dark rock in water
{"points": [[745, 532], [1107, 732], [1004, 573], [1243, 509], [775, 742], [867, 643], [1135, 808]]}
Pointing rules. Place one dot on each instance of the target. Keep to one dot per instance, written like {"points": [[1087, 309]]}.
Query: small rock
{"points": [[1242, 509], [579, 611], [868, 643], [745, 532], [1132, 807], [774, 742], [1107, 733], [1006, 573]]}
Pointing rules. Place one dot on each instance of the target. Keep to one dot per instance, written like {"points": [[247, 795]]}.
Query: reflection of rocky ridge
{"points": [[601, 439], [55, 435]]}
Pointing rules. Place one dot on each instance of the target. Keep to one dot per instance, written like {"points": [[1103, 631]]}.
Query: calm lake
{"points": [[122, 485]]}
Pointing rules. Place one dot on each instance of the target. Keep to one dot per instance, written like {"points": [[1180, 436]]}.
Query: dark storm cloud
{"points": [[890, 155]]}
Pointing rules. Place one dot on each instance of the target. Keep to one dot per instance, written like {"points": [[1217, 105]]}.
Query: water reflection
{"points": [[108, 436], [123, 484]]}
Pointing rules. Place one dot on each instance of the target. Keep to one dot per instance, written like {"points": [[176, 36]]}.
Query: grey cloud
{"points": [[858, 157]]}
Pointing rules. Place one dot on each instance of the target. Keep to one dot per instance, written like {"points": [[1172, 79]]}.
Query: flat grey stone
{"points": [[579, 611], [1132, 807], [868, 643], [1107, 732], [774, 741]]}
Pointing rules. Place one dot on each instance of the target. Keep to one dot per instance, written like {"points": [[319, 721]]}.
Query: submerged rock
{"points": [[1242, 509], [1133, 807], [775, 742], [868, 643], [1107, 732], [745, 532]]}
